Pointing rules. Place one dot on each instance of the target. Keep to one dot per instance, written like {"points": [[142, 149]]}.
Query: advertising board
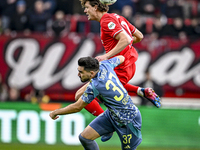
{"points": [[28, 124], [44, 63]]}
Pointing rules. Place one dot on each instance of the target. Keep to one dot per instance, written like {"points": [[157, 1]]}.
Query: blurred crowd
{"points": [[178, 18], [13, 94], [8, 93]]}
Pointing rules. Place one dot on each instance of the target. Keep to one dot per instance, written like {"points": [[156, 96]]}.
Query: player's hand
{"points": [[101, 58], [53, 115]]}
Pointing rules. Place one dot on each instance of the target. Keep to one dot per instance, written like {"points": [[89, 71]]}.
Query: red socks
{"points": [[94, 108], [131, 88]]}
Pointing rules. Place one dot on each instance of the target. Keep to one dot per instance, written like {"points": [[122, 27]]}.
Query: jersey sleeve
{"points": [[111, 26], [131, 27], [113, 62], [89, 94]]}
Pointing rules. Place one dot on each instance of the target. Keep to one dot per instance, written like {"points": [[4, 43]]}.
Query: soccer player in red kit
{"points": [[117, 36]]}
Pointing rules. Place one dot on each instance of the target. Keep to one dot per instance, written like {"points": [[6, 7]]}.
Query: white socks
{"points": [[140, 92]]}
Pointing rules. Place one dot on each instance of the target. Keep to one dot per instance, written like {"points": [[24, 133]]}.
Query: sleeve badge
{"points": [[111, 25]]}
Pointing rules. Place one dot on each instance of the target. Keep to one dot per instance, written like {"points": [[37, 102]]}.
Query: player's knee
{"points": [[88, 144], [80, 138], [83, 140]]}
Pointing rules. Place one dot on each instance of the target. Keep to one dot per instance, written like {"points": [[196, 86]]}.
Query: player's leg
{"points": [[130, 134], [99, 126], [103, 127], [131, 88], [147, 93], [87, 138], [150, 95], [94, 107], [90, 133], [126, 74]]}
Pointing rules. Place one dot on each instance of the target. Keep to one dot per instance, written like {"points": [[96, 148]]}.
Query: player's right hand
{"points": [[53, 115], [101, 58]]}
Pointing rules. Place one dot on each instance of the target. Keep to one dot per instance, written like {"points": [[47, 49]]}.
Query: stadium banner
{"points": [[27, 123], [50, 64]]}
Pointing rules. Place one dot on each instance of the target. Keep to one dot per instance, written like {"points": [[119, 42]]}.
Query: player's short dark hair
{"points": [[89, 63], [101, 7]]}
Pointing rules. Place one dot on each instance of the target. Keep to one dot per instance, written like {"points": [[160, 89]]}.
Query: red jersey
{"points": [[111, 25]]}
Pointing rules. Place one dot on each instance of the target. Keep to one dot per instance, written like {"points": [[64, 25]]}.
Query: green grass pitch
{"points": [[64, 147]]}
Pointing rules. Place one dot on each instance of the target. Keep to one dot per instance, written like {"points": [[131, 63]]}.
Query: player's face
{"points": [[89, 11], [83, 75]]}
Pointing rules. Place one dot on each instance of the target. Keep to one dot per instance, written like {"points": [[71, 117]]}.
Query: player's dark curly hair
{"points": [[89, 63], [101, 7]]}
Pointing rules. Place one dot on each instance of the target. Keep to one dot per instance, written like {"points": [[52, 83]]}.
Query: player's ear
{"points": [[92, 74], [95, 7]]}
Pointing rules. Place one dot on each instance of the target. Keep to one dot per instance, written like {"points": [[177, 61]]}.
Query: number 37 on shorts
{"points": [[127, 138]]}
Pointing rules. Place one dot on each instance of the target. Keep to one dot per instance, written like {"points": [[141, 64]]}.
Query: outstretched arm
{"points": [[80, 91], [72, 108]]}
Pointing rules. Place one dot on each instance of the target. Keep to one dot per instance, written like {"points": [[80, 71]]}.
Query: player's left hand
{"points": [[53, 115], [101, 58]]}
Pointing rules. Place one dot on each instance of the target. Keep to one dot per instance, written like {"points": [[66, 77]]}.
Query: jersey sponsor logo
{"points": [[111, 25], [103, 74]]}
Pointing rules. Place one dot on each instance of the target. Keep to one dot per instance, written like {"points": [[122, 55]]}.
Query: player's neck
{"points": [[94, 74], [100, 15]]}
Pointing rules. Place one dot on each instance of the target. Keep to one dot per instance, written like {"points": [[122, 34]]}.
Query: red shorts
{"points": [[126, 70], [125, 74]]}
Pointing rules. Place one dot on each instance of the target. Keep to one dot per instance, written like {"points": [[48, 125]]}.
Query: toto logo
{"points": [[173, 68], [29, 129]]}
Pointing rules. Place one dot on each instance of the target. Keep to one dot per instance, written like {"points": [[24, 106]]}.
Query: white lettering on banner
{"points": [[180, 72], [197, 78], [71, 74], [28, 127], [142, 63], [174, 68], [66, 126], [43, 77], [29, 130], [27, 61], [50, 128], [6, 117]]}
